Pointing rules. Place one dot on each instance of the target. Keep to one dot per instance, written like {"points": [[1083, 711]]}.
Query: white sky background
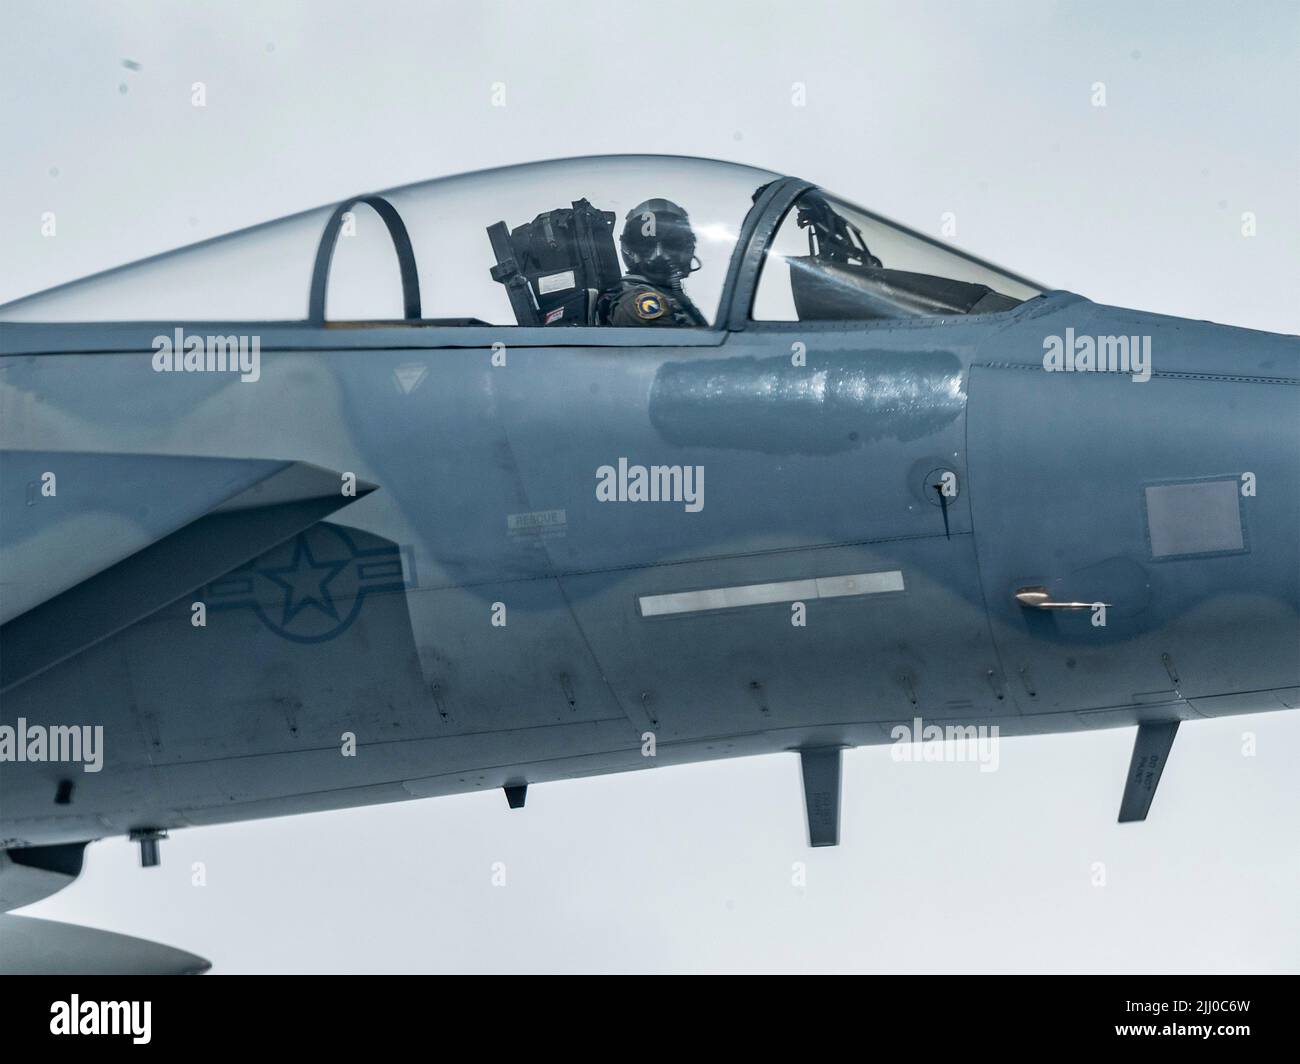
{"points": [[912, 110]]}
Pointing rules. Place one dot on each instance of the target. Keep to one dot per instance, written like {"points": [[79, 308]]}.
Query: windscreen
{"points": [[831, 261]]}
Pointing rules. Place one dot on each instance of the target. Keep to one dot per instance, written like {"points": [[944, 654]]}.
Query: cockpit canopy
{"points": [[535, 245]]}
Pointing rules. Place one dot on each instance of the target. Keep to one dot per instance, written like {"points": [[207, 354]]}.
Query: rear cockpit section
{"points": [[540, 244], [556, 267], [461, 250]]}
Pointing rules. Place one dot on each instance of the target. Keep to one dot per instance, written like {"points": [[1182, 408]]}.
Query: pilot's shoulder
{"points": [[643, 304]]}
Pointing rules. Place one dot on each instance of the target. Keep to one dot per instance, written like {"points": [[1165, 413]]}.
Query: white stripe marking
{"points": [[726, 598]]}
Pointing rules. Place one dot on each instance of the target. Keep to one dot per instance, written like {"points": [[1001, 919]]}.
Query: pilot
{"points": [[658, 251]]}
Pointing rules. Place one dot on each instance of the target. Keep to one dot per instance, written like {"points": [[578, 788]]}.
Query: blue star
{"points": [[306, 583]]}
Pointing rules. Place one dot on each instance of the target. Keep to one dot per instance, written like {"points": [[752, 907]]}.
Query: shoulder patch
{"points": [[649, 306]]}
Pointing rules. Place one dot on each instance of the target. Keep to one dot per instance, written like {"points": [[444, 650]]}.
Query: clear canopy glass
{"points": [[264, 273]]}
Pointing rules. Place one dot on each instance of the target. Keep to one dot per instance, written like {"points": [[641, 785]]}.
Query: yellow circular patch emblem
{"points": [[649, 306]]}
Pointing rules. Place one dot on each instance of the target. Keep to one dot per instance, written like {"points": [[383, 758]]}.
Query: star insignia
{"points": [[306, 583]]}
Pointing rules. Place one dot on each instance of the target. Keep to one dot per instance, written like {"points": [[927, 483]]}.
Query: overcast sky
{"points": [[913, 110]]}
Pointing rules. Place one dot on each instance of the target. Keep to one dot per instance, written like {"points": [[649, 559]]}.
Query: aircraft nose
{"points": [[1168, 491]]}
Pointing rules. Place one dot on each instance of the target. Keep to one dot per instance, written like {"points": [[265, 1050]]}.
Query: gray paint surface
{"points": [[814, 472]]}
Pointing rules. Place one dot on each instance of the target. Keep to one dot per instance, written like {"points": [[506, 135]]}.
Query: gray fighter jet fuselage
{"points": [[296, 565]]}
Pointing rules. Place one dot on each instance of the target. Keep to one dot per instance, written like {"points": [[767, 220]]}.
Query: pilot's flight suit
{"points": [[637, 301]]}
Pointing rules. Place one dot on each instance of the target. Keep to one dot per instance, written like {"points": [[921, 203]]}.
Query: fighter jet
{"points": [[592, 466]]}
